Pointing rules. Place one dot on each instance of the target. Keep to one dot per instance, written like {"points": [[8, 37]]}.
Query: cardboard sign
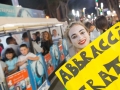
{"points": [[96, 67], [19, 81]]}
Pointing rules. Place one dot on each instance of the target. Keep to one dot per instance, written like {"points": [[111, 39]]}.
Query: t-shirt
{"points": [[24, 58], [94, 34], [2, 64], [56, 39], [14, 47], [11, 63]]}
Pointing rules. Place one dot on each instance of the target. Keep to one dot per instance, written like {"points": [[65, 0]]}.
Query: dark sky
{"points": [[89, 4]]}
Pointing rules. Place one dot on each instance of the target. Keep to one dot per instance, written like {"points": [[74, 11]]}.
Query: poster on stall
{"points": [[62, 56], [19, 81], [13, 11], [38, 74], [54, 52], [49, 64], [65, 49], [97, 66]]}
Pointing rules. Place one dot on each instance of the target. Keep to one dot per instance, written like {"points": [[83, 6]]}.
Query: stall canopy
{"points": [[8, 24]]}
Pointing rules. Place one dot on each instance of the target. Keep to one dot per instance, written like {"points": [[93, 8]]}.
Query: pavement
{"points": [[56, 85]]}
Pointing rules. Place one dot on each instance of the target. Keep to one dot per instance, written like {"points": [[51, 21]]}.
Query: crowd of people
{"points": [[14, 57]]}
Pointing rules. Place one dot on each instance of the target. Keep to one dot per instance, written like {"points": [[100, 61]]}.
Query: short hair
{"points": [[9, 39], [23, 45], [25, 35], [37, 33], [88, 25], [34, 34], [10, 50], [54, 29]]}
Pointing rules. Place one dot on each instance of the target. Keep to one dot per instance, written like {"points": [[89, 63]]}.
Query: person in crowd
{"points": [[34, 37], [36, 47], [94, 33], [46, 43], [11, 61], [78, 35], [3, 65], [38, 36], [101, 23], [56, 39], [26, 55], [25, 39], [1, 45], [11, 44]]}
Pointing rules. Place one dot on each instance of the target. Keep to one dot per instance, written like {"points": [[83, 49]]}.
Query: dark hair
{"points": [[34, 34], [101, 23], [9, 40], [37, 33], [23, 45], [24, 35], [88, 25], [10, 50]]}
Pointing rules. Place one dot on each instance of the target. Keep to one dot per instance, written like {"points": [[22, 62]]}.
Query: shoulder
{"points": [[6, 61], [31, 54], [20, 56], [15, 58]]}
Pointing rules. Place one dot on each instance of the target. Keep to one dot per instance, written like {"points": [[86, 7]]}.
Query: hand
{"points": [[29, 58], [42, 51], [60, 42]]}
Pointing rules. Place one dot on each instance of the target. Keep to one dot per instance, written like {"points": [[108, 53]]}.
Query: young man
{"points": [[56, 39], [26, 55], [94, 33]]}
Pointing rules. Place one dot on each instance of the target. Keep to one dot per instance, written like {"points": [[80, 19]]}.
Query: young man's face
{"points": [[26, 39], [54, 32], [24, 50], [92, 28], [33, 37]]}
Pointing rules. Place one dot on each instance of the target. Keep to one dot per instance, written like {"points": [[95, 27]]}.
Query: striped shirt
{"points": [[56, 39]]}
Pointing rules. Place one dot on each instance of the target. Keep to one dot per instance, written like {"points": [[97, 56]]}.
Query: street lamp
{"points": [[84, 11], [97, 7], [102, 5], [73, 12], [77, 14], [89, 16]]}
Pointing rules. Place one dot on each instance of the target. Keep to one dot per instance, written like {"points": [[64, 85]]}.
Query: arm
{"points": [[33, 58], [21, 63], [13, 71], [37, 47], [6, 70]]}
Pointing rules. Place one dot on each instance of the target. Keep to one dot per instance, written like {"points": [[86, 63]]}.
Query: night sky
{"points": [[89, 4]]}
